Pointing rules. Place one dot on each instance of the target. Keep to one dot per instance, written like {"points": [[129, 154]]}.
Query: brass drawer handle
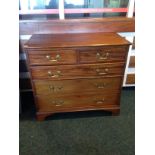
{"points": [[58, 102], [102, 57], [98, 71], [100, 101], [56, 59], [56, 75], [100, 86], [55, 88]]}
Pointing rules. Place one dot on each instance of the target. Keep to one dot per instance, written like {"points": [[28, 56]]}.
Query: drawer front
{"points": [[52, 57], [77, 71], [75, 86], [107, 54], [49, 103]]}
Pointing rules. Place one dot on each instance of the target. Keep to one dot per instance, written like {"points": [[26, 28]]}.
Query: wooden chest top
{"points": [[75, 40]]}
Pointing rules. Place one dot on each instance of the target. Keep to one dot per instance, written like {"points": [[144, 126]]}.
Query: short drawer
{"points": [[50, 103], [75, 86], [103, 54], [77, 71], [52, 57]]}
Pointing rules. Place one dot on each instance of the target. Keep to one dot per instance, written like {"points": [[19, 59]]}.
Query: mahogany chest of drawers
{"points": [[76, 72]]}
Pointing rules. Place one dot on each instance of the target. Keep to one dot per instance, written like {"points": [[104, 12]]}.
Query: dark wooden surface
{"points": [[93, 25], [49, 57], [102, 54], [77, 71], [43, 41], [77, 95], [83, 100], [74, 86]]}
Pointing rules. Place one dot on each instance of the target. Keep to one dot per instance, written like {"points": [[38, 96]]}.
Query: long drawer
{"points": [[77, 71], [50, 103], [52, 57], [102, 54], [77, 85]]}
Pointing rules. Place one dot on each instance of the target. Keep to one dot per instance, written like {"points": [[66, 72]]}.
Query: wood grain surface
{"points": [[74, 40], [82, 75], [52, 57], [77, 71], [75, 86], [89, 25], [49, 103]]}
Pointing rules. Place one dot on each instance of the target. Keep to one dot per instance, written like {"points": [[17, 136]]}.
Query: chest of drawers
{"points": [[76, 72]]}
